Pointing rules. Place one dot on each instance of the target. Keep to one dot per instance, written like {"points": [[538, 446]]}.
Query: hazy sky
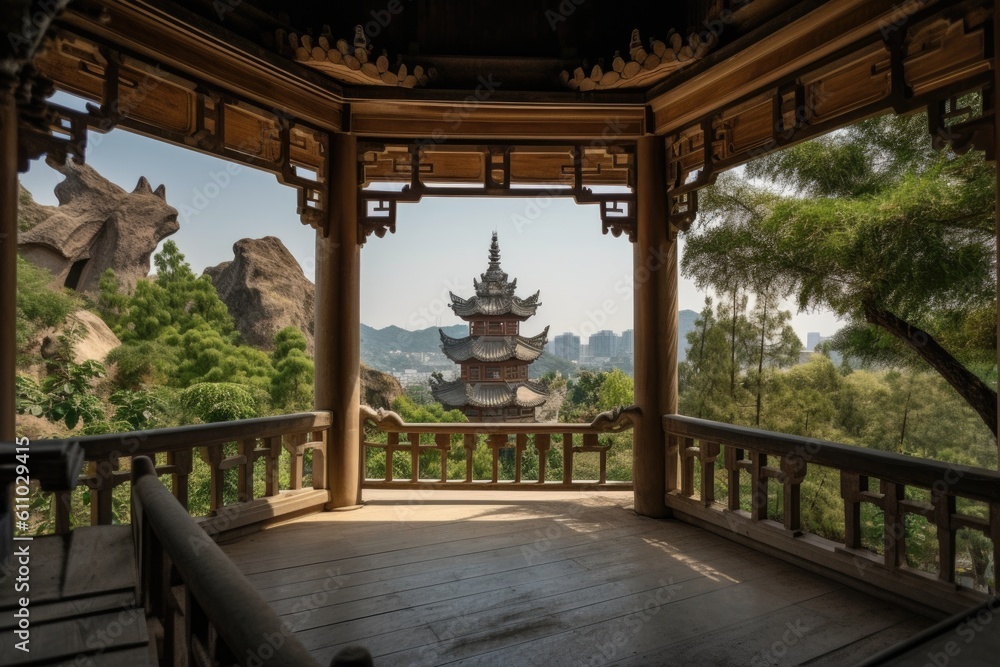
{"points": [[440, 244]]}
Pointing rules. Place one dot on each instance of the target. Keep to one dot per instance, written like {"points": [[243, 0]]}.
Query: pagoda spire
{"points": [[494, 281]]}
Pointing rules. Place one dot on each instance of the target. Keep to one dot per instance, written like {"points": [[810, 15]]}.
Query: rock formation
{"points": [[378, 389], [265, 291], [97, 226], [95, 342]]}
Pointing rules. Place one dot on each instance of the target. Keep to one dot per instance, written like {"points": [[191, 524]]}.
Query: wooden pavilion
{"points": [[366, 105]]}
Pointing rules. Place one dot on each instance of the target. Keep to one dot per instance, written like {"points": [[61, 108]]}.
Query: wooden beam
{"points": [[655, 295], [8, 259], [338, 323], [168, 34], [482, 118]]}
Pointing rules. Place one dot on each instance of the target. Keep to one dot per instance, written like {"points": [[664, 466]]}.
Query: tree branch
{"points": [[977, 393]]}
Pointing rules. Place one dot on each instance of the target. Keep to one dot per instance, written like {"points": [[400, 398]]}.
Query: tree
{"points": [[775, 343], [890, 235], [704, 376], [617, 390], [292, 384]]}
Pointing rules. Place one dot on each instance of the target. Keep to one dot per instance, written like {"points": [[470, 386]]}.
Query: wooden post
{"points": [[338, 324], [655, 276], [8, 259]]}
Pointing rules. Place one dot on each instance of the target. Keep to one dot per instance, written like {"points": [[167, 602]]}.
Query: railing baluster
{"points": [[995, 538], [183, 463], [687, 467], [543, 442], [471, 441], [734, 456], [894, 536], [217, 486], [392, 443], [944, 508], [758, 486], [245, 470], [319, 459], [443, 443], [414, 456], [567, 458], [709, 453], [294, 444], [271, 468], [673, 463], [793, 472], [497, 441], [851, 486]]}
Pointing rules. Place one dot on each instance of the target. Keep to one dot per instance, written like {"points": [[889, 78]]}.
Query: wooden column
{"points": [[8, 259], [996, 147], [655, 275], [338, 324]]}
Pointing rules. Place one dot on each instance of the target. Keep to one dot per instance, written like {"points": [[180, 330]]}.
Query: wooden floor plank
{"points": [[547, 578], [63, 639]]}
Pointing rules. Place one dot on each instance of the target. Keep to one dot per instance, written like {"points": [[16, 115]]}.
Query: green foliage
{"points": [[69, 393], [871, 220], [617, 390], [39, 306], [219, 401], [292, 384], [431, 414], [28, 396], [175, 302]]}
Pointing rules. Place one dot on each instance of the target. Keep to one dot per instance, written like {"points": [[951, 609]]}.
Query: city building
{"points": [[567, 346], [602, 344]]}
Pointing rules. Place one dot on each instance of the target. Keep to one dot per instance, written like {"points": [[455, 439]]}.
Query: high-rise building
{"points": [[627, 346], [567, 346], [812, 340], [602, 344]]}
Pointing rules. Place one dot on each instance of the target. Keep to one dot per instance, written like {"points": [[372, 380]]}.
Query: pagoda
{"points": [[494, 357]]}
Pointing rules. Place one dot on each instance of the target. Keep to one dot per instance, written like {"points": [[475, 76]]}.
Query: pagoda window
{"points": [[511, 412], [510, 372], [492, 372], [474, 372], [496, 327], [477, 328], [512, 328], [524, 371], [465, 373], [527, 412]]}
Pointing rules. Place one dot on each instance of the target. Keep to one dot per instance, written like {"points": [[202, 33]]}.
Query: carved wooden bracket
{"points": [[350, 63], [533, 170]]}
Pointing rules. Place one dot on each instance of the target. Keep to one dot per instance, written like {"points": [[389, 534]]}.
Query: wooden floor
{"points": [[550, 578], [82, 605]]}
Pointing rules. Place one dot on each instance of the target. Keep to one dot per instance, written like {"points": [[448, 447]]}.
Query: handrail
{"points": [[171, 545], [264, 438], [498, 437], [748, 450]]}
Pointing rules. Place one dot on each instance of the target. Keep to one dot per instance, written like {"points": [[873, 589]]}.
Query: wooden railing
{"points": [[200, 608], [516, 438], [773, 458], [265, 439]]}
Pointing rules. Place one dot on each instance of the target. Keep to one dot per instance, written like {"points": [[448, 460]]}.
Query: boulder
{"points": [[265, 291], [96, 226], [378, 389], [96, 340]]}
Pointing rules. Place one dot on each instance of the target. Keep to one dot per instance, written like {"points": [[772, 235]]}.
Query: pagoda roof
{"points": [[494, 293], [458, 394], [493, 348]]}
